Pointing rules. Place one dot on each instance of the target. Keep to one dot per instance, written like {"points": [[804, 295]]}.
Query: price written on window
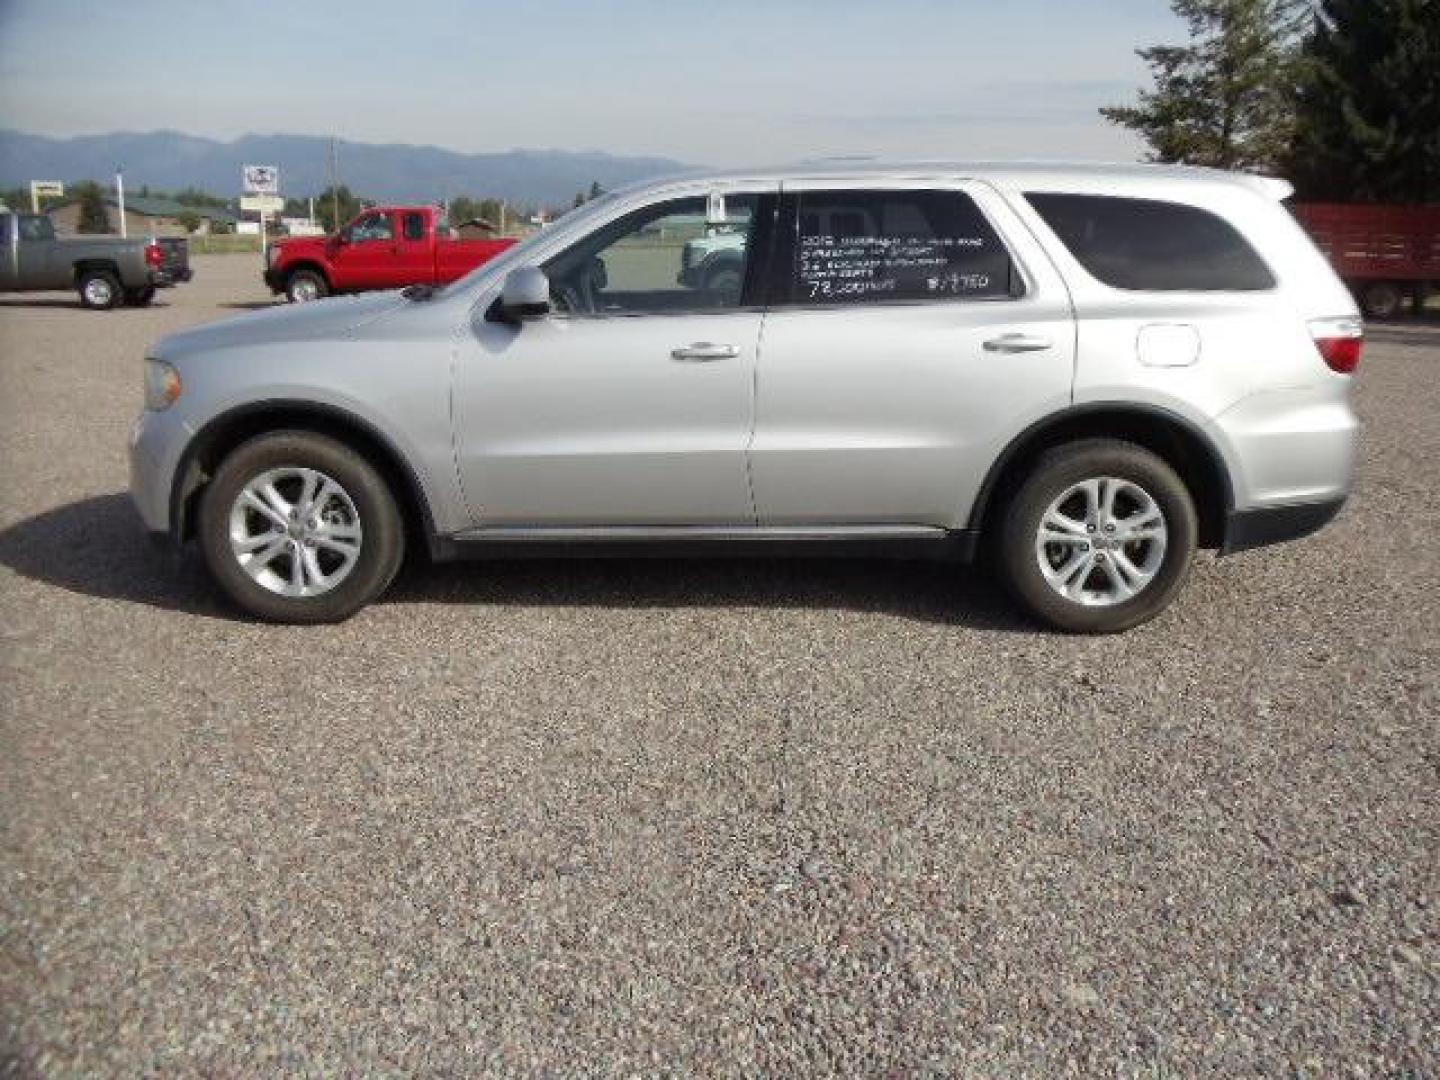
{"points": [[839, 267]]}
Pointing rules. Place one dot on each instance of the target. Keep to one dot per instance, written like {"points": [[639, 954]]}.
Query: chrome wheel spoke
{"points": [[1134, 575], [257, 564], [309, 484], [1108, 490], [251, 544], [261, 506]]}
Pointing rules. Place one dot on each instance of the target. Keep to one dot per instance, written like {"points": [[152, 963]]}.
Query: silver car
{"points": [[1085, 373]]}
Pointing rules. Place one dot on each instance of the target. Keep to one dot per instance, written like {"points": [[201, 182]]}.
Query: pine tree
{"points": [[1368, 109], [94, 217], [1223, 99]]}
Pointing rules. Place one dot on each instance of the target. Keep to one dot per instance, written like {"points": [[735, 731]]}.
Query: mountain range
{"points": [[170, 160]]}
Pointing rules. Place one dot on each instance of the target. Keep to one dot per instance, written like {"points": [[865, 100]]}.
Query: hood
{"points": [[336, 316]]}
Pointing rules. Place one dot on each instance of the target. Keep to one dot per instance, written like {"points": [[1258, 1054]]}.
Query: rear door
{"points": [[414, 249], [914, 329]]}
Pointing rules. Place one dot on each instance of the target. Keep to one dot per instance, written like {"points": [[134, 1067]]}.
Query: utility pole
{"points": [[120, 196], [334, 183]]}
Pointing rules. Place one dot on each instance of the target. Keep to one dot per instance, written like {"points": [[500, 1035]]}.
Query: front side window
{"points": [[415, 227], [36, 227], [868, 246], [1147, 244], [677, 256], [371, 227]]}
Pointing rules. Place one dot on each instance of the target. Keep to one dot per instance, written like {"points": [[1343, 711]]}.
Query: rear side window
{"points": [[1146, 244], [867, 246], [415, 227]]}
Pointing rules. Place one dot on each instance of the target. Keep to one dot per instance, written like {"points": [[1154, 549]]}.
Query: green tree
{"points": [[595, 189], [1368, 108], [189, 220], [1223, 99], [94, 215], [325, 207]]}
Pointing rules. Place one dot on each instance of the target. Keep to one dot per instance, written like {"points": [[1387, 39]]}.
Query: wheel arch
{"points": [[1172, 437], [223, 433], [311, 265], [81, 267]]}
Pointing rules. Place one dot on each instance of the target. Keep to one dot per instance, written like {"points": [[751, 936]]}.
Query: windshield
{"points": [[520, 254]]}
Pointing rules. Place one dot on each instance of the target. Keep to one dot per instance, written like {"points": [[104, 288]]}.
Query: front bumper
{"points": [[274, 279], [157, 442]]}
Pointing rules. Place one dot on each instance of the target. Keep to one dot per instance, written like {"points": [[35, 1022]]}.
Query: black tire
{"points": [[99, 289], [303, 285], [383, 537], [1382, 300], [140, 297], [1059, 469]]}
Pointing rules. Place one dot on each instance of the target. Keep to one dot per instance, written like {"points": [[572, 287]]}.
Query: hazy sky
{"points": [[723, 83]]}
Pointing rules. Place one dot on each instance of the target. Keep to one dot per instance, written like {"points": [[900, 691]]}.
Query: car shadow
{"points": [[97, 547], [72, 304], [250, 305]]}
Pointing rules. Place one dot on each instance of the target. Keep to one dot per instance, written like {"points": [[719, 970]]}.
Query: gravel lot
{"points": [[704, 818]]}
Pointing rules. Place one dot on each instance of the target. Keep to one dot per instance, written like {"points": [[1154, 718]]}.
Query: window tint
{"points": [[372, 227], [682, 255], [1147, 244], [415, 227], [861, 246], [36, 227]]}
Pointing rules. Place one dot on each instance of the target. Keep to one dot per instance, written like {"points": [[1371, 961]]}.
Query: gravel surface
{"points": [[704, 818]]}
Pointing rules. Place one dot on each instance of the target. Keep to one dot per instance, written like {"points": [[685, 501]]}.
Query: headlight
{"points": [[162, 385]]}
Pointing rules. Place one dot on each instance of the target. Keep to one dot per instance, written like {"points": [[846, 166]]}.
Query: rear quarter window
{"points": [[1151, 245]]}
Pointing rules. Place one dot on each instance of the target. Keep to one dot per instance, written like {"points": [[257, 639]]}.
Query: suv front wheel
{"points": [[1099, 537], [297, 527]]}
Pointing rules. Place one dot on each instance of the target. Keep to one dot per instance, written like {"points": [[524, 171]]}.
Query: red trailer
{"points": [[1384, 253]]}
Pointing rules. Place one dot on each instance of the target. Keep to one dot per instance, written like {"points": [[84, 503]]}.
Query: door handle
{"points": [[705, 350], [1018, 343]]}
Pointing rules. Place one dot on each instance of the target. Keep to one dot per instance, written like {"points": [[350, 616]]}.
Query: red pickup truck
{"points": [[385, 247], [1384, 253]]}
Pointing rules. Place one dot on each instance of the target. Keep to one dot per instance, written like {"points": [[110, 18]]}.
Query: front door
{"points": [[366, 260], [915, 329], [632, 402]]}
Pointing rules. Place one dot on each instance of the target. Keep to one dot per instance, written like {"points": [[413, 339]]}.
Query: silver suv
{"points": [[1084, 372]]}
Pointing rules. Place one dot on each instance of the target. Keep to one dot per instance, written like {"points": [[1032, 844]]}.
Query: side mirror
{"points": [[526, 295]]}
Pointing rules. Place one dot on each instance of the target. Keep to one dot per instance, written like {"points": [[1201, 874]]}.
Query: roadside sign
{"points": [[260, 180], [40, 189], [263, 204]]}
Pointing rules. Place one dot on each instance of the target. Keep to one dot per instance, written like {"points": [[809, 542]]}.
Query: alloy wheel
{"points": [[295, 531], [1101, 542]]}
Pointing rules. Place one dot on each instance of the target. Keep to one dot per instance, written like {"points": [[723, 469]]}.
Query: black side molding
{"points": [[1275, 524], [957, 545]]}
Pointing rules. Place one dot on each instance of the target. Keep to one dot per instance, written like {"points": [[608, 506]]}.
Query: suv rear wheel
{"points": [[1099, 537], [297, 527]]}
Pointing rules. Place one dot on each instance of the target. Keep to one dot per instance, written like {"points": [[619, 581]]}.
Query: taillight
{"points": [[1340, 343], [154, 255]]}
